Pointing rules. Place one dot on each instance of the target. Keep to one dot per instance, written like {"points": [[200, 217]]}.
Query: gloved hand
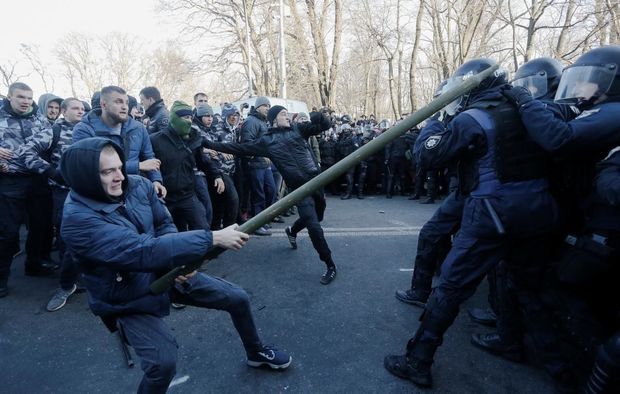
{"points": [[55, 175], [518, 95], [319, 118]]}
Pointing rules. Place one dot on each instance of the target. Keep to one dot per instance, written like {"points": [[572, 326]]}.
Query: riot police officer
{"points": [[507, 211]]}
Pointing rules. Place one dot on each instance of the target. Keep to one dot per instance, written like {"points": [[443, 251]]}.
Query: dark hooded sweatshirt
{"points": [[121, 244]]}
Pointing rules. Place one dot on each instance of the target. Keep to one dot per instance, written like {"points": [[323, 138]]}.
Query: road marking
{"points": [[406, 270], [179, 381]]}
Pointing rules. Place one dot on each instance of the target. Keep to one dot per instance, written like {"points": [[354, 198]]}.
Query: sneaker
{"points": [[277, 219], [273, 358], [49, 263], [329, 275], [262, 231], [59, 299], [411, 296], [292, 239], [177, 306]]}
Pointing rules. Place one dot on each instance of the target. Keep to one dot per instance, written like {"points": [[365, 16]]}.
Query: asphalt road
{"points": [[336, 334]]}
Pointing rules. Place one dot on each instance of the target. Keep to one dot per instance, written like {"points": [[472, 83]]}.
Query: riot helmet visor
{"points": [[581, 83], [536, 84]]}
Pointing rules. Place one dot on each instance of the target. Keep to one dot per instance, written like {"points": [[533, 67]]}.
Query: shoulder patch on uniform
{"points": [[587, 113], [432, 141]]}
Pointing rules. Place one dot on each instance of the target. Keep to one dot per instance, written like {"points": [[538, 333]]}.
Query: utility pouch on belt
{"points": [[594, 243], [585, 260]]}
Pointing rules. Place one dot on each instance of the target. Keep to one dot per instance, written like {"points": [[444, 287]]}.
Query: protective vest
{"points": [[511, 156]]}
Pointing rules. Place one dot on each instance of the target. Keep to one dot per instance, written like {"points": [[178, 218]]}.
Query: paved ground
{"points": [[337, 334]]}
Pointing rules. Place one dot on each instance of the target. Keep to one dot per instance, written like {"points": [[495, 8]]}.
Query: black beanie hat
{"points": [[273, 112]]}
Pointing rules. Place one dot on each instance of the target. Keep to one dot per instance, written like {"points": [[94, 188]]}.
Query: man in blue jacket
{"points": [[122, 237], [112, 121]]}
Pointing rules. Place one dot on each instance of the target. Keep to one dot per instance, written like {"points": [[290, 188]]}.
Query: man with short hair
{"points": [[154, 109], [262, 185], [42, 154], [19, 122], [112, 121], [200, 99], [123, 237]]}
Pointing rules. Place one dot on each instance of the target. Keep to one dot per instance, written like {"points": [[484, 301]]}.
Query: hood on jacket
{"points": [[80, 167], [44, 100]]}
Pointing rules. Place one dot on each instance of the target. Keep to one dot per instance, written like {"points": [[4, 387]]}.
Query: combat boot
{"points": [[493, 343], [415, 365], [412, 296], [346, 196]]}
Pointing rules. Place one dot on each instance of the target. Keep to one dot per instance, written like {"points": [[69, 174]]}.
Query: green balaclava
{"points": [[178, 124]]}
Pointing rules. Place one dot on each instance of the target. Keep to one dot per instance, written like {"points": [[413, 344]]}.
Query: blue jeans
{"points": [[263, 189]]}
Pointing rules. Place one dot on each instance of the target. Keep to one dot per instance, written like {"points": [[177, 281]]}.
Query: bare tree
{"points": [[31, 52], [9, 74]]}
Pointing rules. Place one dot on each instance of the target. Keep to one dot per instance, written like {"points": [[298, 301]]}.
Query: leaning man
{"points": [[122, 237]]}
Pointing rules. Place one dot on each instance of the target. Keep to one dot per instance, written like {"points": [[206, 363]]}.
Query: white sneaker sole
{"points": [[257, 364]]}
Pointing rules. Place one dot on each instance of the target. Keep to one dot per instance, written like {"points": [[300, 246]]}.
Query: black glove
{"points": [[319, 118], [518, 95], [55, 175]]}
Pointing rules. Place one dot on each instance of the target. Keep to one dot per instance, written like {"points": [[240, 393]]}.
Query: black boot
{"points": [[605, 376], [485, 317], [415, 365], [493, 343], [412, 296]]}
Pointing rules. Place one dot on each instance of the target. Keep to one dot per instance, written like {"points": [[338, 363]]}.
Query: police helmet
{"points": [[540, 76], [345, 119], [468, 70], [440, 88], [595, 73]]}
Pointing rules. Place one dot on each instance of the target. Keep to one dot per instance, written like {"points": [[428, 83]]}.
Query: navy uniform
{"points": [[586, 272], [507, 210]]}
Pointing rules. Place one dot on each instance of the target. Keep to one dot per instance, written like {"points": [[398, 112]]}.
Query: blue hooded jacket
{"points": [[121, 245], [133, 134]]}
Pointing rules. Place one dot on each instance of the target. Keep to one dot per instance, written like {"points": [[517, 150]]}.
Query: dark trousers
{"points": [[476, 250], [202, 192], [188, 214], [39, 214], [263, 189], [311, 210], [225, 205], [18, 203], [68, 268], [154, 342], [434, 241]]}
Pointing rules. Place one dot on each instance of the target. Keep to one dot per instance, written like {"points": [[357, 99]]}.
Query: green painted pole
{"points": [[166, 281]]}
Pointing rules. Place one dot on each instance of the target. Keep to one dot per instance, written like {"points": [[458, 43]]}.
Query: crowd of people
{"points": [[127, 189]]}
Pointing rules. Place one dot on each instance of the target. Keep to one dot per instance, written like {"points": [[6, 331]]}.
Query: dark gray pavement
{"points": [[337, 334]]}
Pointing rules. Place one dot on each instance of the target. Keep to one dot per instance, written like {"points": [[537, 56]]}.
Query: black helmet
{"points": [[440, 88], [345, 119], [467, 70], [595, 73], [540, 76]]}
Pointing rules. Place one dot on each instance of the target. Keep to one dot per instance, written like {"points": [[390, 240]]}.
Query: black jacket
{"points": [[253, 127], [158, 117], [287, 148], [178, 159]]}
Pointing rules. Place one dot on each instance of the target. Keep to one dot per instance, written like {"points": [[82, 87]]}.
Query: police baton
{"points": [[167, 280]]}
